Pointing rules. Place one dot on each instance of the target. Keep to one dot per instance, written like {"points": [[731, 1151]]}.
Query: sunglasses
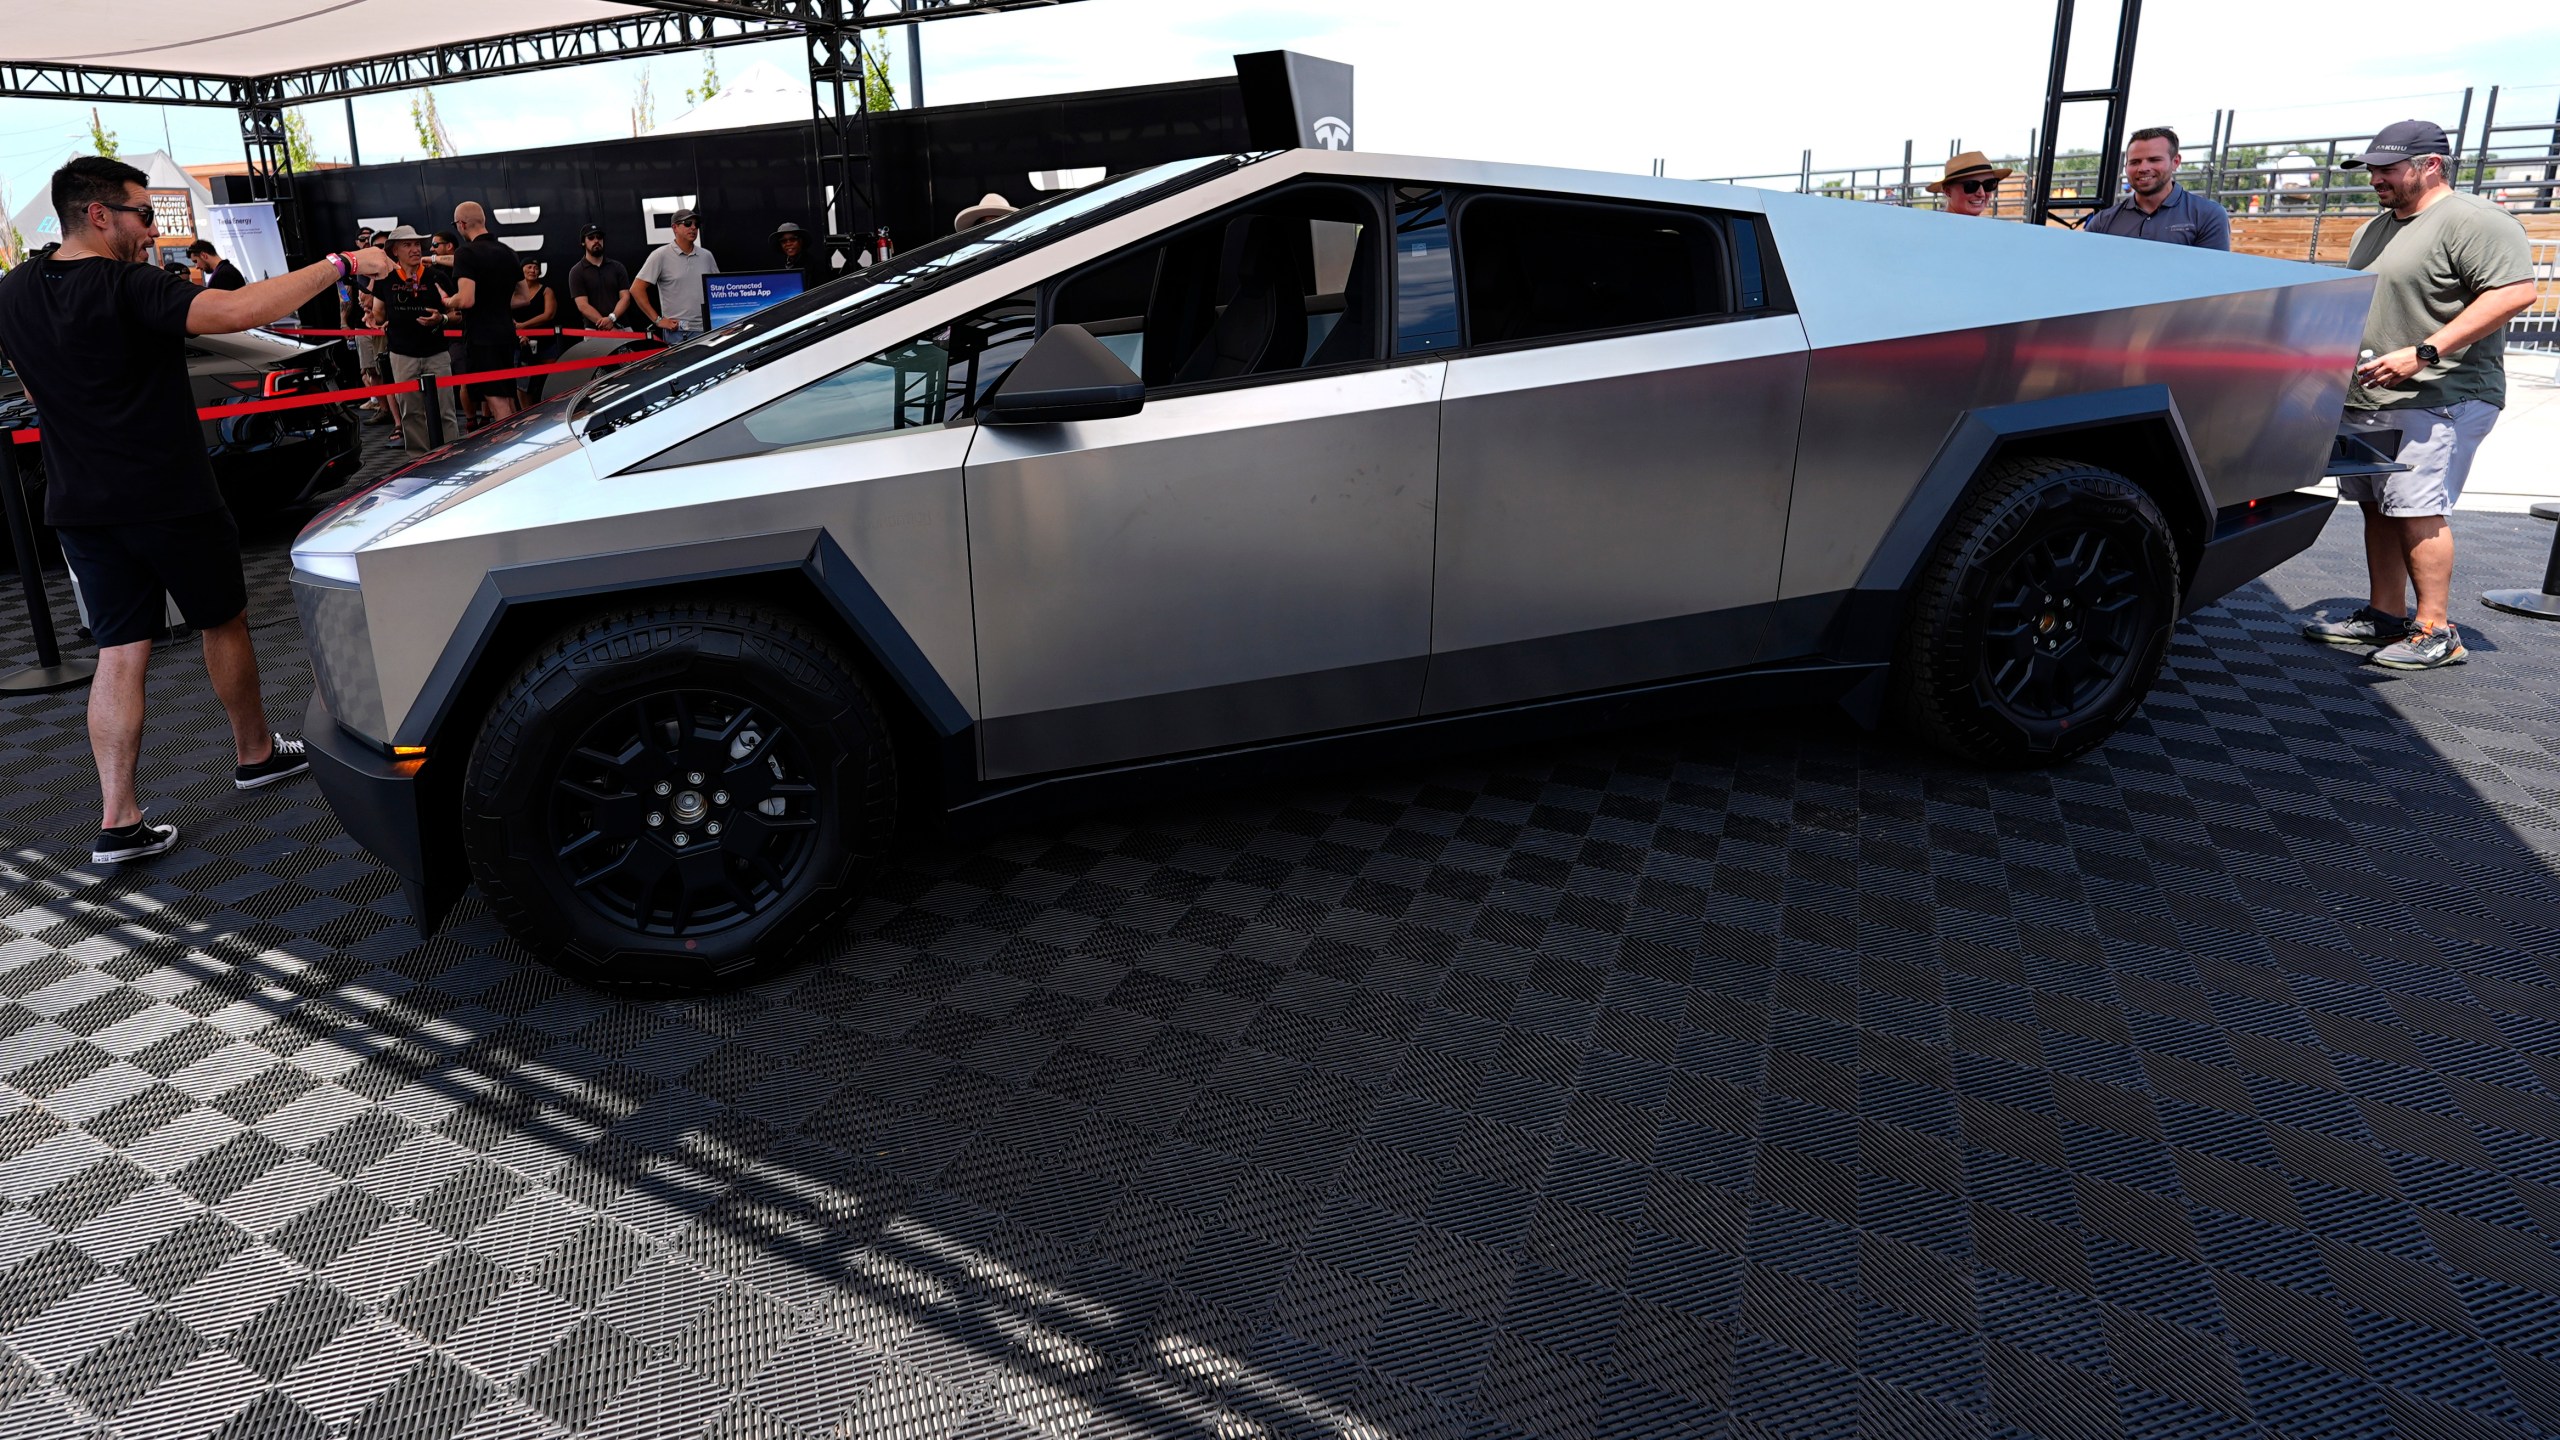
{"points": [[144, 211], [1973, 187]]}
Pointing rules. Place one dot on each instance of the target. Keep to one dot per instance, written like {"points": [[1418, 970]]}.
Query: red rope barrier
{"points": [[367, 392], [520, 330]]}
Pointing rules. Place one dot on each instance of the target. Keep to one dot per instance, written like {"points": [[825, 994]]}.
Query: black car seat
{"points": [[1263, 325]]}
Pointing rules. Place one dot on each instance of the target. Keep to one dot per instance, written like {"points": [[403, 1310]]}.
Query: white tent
{"points": [[267, 37], [35, 222], [762, 95]]}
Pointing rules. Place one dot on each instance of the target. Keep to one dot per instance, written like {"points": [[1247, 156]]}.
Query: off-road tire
{"points": [[663, 660], [1956, 677]]}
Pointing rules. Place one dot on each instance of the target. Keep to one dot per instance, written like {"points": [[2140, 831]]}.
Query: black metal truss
{"points": [[670, 25]]}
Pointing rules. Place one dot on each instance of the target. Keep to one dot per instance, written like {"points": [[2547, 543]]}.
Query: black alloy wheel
{"points": [[683, 813], [678, 797], [2059, 625], [2042, 620]]}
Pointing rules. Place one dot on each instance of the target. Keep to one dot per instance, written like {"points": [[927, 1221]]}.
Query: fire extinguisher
{"points": [[881, 248]]}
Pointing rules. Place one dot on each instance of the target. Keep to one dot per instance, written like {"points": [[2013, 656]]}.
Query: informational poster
{"points": [[246, 235], [736, 296]]}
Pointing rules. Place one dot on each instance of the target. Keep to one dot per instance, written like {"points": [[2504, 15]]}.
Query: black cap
{"points": [[2402, 140], [687, 217], [592, 232]]}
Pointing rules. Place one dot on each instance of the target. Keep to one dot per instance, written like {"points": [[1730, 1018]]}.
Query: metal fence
{"points": [[2511, 159]]}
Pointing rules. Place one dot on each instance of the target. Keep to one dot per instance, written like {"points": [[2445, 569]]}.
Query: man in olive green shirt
{"points": [[2454, 269]]}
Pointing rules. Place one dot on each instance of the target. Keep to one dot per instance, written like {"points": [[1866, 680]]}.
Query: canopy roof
{"points": [[246, 38], [191, 53]]}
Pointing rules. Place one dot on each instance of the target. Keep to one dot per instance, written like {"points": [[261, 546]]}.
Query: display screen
{"points": [[737, 296]]}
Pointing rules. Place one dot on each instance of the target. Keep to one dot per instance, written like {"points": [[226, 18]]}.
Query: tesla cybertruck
{"points": [[1240, 464]]}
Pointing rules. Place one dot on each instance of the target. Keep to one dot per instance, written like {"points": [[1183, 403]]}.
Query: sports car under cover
{"points": [[1253, 462]]}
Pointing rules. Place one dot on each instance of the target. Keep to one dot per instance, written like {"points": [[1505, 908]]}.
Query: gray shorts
{"points": [[2437, 444]]}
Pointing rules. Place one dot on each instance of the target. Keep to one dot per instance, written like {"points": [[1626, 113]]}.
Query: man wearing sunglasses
{"points": [[101, 339], [1969, 183]]}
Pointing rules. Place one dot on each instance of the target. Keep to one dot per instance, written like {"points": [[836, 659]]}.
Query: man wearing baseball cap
{"points": [[1969, 183], [669, 285], [2454, 269]]}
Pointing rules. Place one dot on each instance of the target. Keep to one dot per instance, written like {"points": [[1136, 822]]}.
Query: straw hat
{"points": [[991, 206], [1970, 165]]}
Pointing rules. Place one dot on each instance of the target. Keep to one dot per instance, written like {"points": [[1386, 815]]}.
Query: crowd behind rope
{"points": [[439, 310]]}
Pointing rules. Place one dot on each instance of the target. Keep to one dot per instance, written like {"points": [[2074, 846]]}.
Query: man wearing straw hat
{"points": [[990, 208], [1969, 183]]}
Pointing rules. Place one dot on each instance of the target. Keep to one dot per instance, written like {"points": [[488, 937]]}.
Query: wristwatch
{"points": [[2427, 355]]}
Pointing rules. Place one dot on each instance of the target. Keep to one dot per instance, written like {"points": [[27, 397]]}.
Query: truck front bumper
{"points": [[387, 807]]}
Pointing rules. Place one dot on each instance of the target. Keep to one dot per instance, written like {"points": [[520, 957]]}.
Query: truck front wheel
{"points": [[2042, 620], [676, 797]]}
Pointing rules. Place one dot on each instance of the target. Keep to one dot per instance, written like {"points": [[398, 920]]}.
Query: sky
{"points": [[1709, 90]]}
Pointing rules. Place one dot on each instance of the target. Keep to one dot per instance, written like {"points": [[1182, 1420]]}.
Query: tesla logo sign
{"points": [[1332, 132]]}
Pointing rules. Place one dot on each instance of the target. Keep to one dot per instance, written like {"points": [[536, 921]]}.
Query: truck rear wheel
{"points": [[2042, 620], [677, 797]]}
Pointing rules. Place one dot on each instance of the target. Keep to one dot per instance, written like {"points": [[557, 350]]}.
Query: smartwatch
{"points": [[2428, 355]]}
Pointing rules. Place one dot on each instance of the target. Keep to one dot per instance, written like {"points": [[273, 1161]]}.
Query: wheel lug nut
{"points": [[693, 779], [719, 797], [656, 819], [680, 839], [711, 829], [664, 787]]}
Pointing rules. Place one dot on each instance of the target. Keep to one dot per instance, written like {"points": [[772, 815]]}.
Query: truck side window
{"points": [[930, 380], [1426, 279], [1287, 283], [1539, 268]]}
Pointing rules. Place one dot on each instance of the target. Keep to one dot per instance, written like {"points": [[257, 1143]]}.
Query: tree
{"points": [[298, 154], [644, 106], [433, 138], [102, 141], [878, 91], [710, 86]]}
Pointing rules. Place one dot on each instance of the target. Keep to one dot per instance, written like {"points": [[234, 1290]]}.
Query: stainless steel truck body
{"points": [[1260, 461]]}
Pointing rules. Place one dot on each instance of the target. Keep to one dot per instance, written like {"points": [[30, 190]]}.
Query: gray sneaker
{"points": [[2440, 646], [2367, 626]]}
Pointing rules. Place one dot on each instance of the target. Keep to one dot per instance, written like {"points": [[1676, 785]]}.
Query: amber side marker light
{"points": [[408, 752]]}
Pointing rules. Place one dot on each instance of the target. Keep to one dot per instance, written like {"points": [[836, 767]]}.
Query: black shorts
{"points": [[124, 569], [498, 355]]}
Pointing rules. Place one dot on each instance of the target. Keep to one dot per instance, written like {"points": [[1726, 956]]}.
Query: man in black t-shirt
{"points": [[599, 286], [488, 272], [100, 338], [219, 274], [413, 305]]}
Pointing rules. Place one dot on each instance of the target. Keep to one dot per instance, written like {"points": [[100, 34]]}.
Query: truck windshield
{"points": [[646, 386]]}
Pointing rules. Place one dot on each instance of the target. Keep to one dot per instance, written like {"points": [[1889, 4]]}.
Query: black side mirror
{"points": [[1065, 375]]}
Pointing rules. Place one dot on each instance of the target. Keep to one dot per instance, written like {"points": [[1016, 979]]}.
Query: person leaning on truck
{"points": [[100, 338], [2454, 269], [2159, 208]]}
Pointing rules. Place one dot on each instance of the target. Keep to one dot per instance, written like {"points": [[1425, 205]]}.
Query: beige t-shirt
{"points": [[2432, 265]]}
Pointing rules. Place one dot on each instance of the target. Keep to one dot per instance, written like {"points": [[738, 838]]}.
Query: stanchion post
{"points": [[435, 411], [2542, 604], [50, 672]]}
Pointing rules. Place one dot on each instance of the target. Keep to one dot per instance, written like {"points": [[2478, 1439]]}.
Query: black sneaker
{"points": [[132, 842], [288, 759], [2367, 626]]}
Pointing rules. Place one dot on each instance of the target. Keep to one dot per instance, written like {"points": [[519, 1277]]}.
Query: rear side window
{"points": [[1536, 269]]}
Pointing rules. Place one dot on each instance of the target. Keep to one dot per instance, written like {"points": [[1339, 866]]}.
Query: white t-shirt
{"points": [[675, 283]]}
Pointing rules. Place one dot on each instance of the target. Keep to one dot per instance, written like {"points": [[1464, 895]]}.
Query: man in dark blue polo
{"points": [[2159, 207]]}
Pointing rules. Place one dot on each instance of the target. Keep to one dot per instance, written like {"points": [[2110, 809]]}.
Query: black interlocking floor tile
{"points": [[1755, 1077]]}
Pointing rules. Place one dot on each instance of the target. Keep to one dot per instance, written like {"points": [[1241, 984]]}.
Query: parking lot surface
{"points": [[1753, 1077]]}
